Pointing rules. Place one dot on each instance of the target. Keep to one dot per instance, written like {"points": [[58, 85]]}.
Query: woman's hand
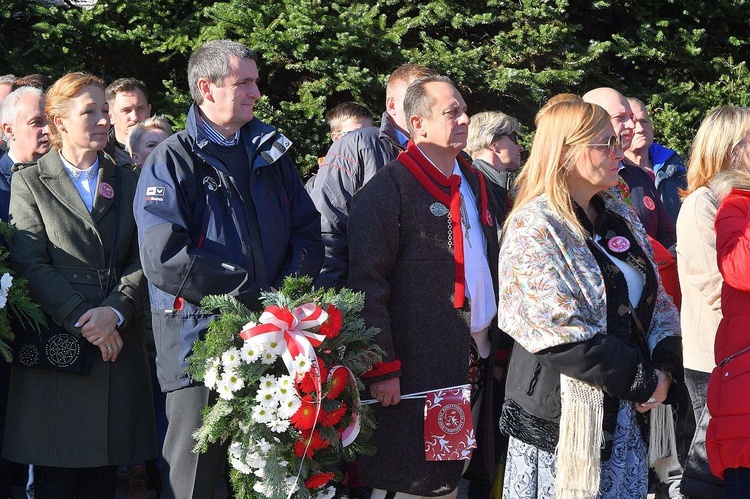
{"points": [[98, 325], [659, 395]]}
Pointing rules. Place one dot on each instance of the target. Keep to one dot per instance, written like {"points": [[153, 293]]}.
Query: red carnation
{"points": [[333, 417], [318, 480], [337, 383], [332, 327], [304, 418]]}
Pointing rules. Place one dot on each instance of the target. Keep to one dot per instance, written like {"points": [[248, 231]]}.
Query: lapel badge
{"points": [[106, 190], [210, 183], [618, 244]]}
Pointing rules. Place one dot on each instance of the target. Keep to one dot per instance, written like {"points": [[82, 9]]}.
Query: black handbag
{"points": [[53, 347]]}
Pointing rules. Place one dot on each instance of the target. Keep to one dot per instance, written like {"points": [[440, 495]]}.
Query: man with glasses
{"points": [[644, 196], [494, 149], [665, 166], [647, 203]]}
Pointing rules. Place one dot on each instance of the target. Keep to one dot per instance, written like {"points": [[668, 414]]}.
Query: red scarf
{"points": [[430, 178]]}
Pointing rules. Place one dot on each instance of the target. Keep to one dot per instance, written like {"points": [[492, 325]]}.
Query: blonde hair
{"points": [[563, 131], [58, 98], [717, 146]]}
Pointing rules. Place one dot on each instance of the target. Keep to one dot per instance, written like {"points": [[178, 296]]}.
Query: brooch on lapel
{"points": [[438, 209]]}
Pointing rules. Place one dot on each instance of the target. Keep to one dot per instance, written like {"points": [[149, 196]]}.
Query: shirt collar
{"points": [[215, 136], [76, 173]]}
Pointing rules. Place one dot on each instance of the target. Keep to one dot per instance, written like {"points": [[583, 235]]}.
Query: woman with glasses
{"points": [[76, 246], [597, 339], [493, 146]]}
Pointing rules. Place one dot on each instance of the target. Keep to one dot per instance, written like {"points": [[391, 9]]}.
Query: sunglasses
{"points": [[513, 136], [613, 144]]}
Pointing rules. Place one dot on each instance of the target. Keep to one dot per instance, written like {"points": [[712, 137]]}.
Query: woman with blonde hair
{"points": [[597, 339], [76, 246], [719, 146]]}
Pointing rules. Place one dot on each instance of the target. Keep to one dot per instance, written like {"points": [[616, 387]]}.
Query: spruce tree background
{"points": [[681, 57]]}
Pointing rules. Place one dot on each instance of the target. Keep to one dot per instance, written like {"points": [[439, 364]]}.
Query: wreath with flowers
{"points": [[288, 383], [15, 305]]}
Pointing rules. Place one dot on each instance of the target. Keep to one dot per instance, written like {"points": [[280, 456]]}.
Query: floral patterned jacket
{"points": [[551, 289]]}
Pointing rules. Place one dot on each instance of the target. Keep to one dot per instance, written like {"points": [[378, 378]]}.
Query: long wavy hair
{"points": [[718, 145], [563, 131]]}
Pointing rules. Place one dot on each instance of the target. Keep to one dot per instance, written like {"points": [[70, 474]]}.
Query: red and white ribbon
{"points": [[281, 324]]}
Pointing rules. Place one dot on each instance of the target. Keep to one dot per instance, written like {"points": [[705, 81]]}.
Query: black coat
{"points": [[401, 257]]}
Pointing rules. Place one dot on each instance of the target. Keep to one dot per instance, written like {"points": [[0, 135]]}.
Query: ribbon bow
{"points": [[277, 324]]}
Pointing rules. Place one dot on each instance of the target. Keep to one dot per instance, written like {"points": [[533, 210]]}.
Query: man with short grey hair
{"points": [[220, 210], [422, 246], [24, 126]]}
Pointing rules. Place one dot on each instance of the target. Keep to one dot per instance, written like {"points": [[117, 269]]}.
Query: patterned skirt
{"points": [[530, 472]]}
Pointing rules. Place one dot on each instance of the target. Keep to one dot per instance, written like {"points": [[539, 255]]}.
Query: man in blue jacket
{"points": [[220, 210], [665, 166]]}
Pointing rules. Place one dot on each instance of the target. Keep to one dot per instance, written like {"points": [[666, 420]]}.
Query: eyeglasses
{"points": [[513, 136], [614, 143]]}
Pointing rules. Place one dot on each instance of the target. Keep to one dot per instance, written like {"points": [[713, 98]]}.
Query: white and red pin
{"points": [[106, 190], [649, 203], [618, 244], [488, 217]]}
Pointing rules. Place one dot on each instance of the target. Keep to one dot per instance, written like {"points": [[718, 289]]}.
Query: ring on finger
{"points": [[109, 347], [651, 400]]}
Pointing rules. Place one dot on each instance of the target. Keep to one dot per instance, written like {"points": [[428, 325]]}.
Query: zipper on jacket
{"points": [[736, 354]]}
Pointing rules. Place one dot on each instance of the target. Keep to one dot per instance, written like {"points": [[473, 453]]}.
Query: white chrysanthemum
{"points": [[276, 346], [3, 300], [209, 379], [267, 358], [325, 494], [283, 464], [222, 387], [256, 460], [243, 426], [268, 381], [285, 381], [233, 380], [236, 450], [5, 282], [241, 466], [279, 425], [287, 408], [301, 364], [249, 352], [267, 397], [263, 414], [231, 358], [263, 445]]}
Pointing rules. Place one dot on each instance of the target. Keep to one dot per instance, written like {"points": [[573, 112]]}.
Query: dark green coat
{"points": [[105, 417]]}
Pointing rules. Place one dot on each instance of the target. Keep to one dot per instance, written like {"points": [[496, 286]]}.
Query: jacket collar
{"points": [[52, 173], [263, 143]]}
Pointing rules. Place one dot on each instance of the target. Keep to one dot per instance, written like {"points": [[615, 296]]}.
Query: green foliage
{"points": [[681, 57], [17, 305], [234, 417]]}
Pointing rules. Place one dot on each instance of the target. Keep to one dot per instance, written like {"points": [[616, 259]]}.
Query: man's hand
{"points": [[387, 392]]}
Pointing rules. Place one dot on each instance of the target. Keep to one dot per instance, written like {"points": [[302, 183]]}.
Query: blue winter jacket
{"points": [[195, 239]]}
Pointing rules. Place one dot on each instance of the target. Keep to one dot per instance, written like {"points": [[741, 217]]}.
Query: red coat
{"points": [[728, 435]]}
